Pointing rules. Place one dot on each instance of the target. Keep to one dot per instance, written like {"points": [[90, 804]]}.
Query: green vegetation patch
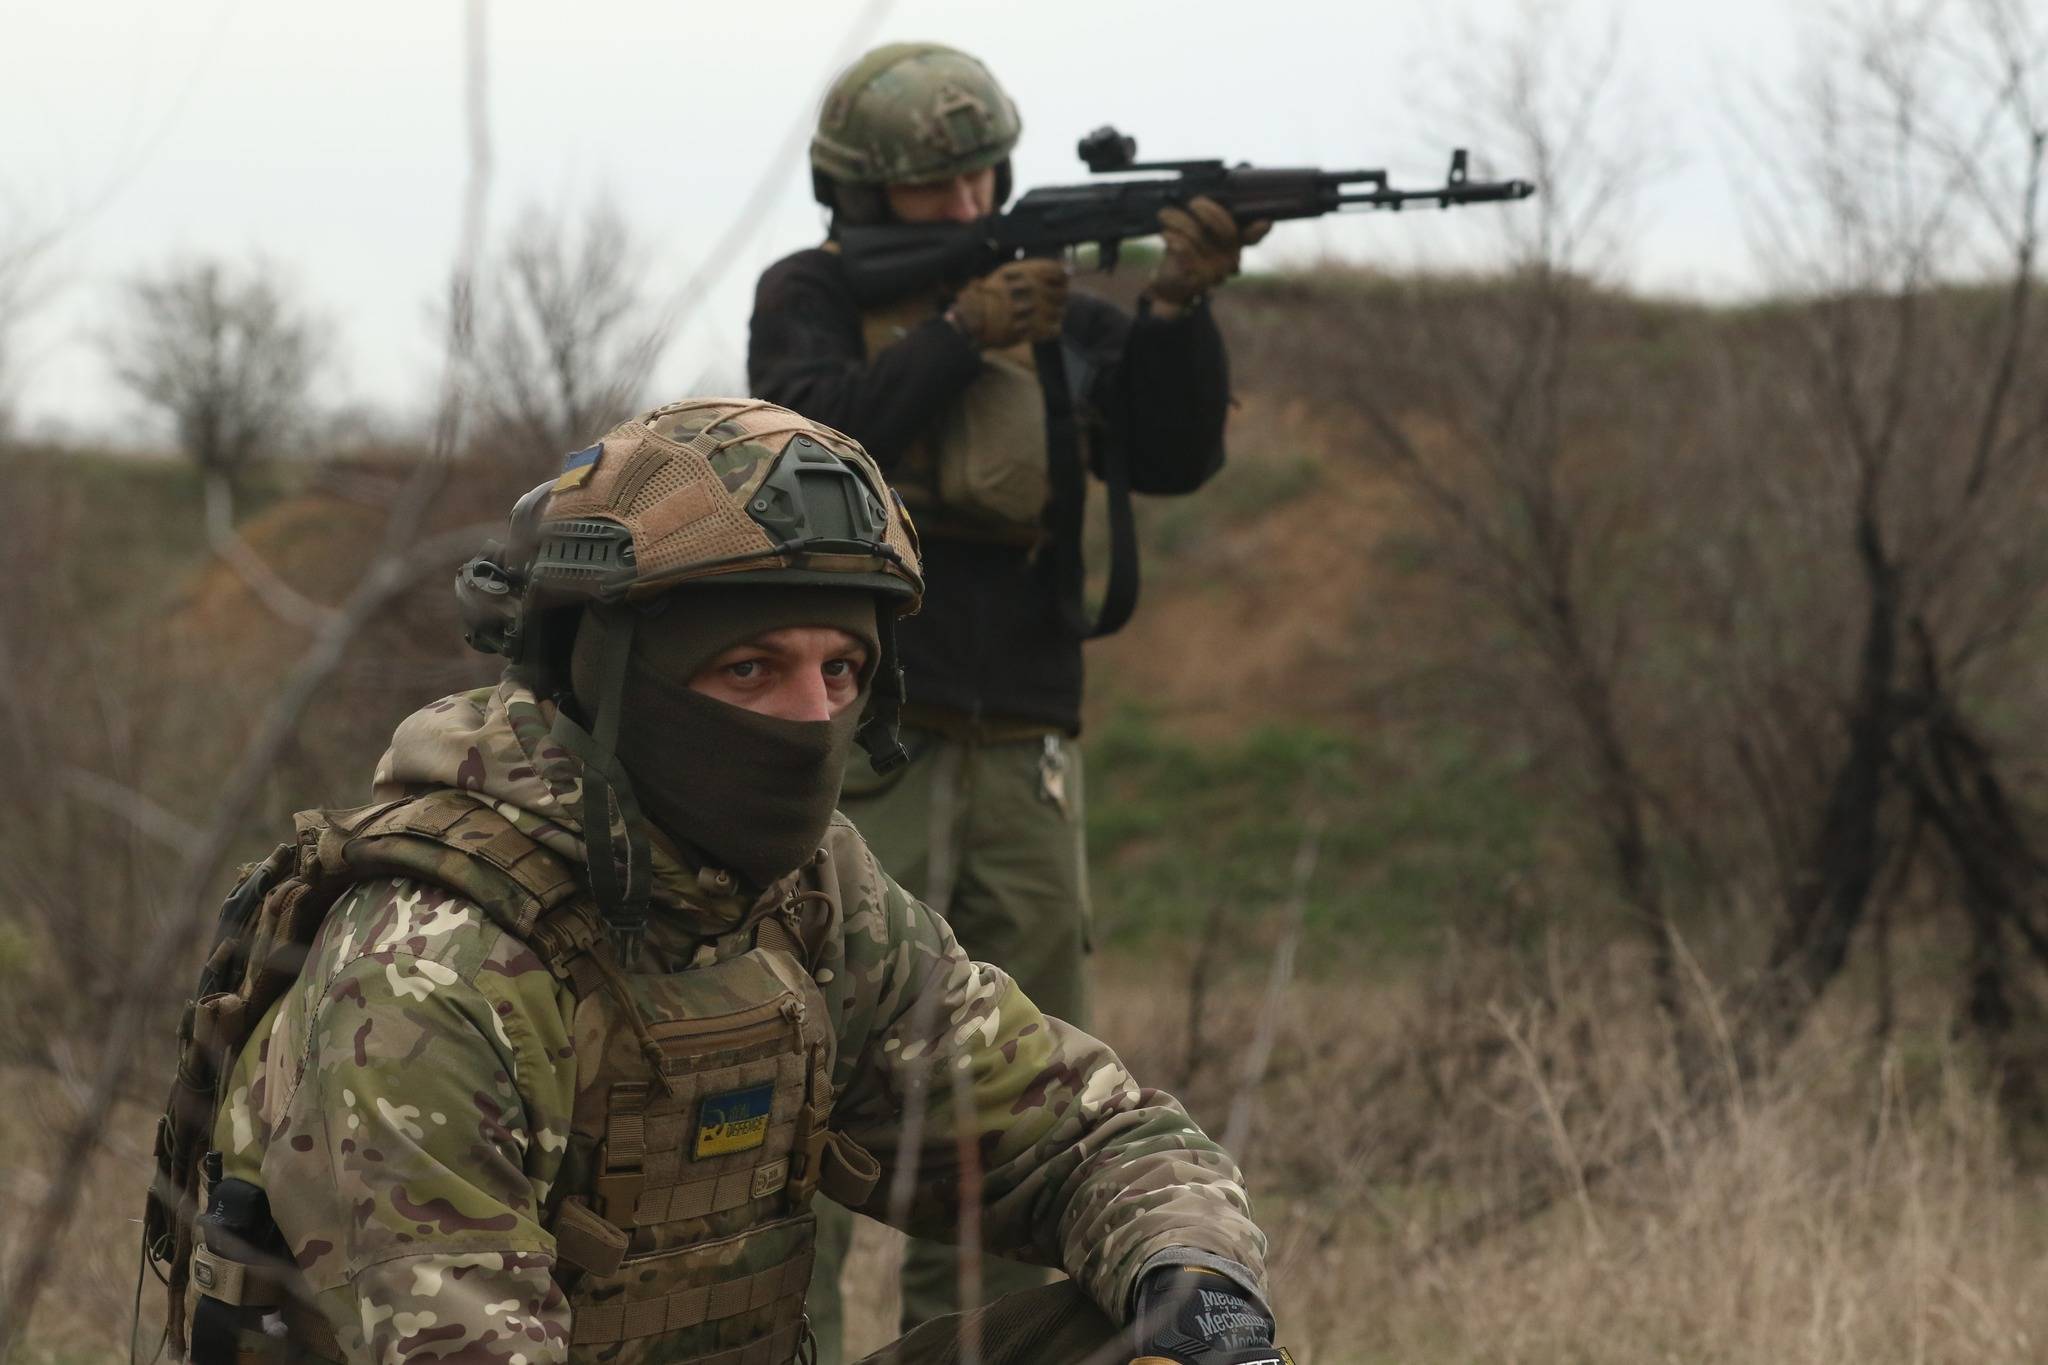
{"points": [[1417, 829], [1177, 532]]}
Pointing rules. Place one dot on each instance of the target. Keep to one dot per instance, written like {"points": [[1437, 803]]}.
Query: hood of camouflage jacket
{"points": [[494, 744]]}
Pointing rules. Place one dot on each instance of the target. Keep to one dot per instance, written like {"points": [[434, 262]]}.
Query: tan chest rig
{"points": [[700, 1134], [701, 1122], [979, 471]]}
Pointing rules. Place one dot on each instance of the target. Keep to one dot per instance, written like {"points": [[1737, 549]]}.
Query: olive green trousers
{"points": [[1053, 1324], [988, 832]]}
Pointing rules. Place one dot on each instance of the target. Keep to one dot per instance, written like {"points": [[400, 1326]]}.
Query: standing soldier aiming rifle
{"points": [[941, 383], [938, 331]]}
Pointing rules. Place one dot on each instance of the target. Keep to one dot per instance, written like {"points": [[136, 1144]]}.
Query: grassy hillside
{"points": [[1471, 1126]]}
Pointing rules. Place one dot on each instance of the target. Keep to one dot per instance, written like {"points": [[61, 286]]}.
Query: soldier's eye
{"points": [[746, 670]]}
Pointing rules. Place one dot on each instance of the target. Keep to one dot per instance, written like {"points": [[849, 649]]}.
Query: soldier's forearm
{"points": [[493, 1308]]}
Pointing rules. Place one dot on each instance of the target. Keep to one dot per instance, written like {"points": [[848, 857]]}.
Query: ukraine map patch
{"points": [[577, 468], [733, 1121]]}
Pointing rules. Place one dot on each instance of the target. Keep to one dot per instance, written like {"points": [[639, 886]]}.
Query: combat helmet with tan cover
{"points": [[732, 489]]}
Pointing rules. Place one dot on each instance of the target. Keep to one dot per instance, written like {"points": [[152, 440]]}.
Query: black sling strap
{"points": [[1066, 508]]}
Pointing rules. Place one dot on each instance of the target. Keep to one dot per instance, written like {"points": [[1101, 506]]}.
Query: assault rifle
{"points": [[885, 262]]}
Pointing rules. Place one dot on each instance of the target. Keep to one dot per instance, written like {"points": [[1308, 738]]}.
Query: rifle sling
{"points": [[1066, 507]]}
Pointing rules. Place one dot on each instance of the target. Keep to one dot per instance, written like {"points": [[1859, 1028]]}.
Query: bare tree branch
{"points": [[565, 342], [170, 830], [256, 574], [401, 558], [1260, 1055]]}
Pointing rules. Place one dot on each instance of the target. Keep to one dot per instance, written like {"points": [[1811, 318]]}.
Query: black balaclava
{"points": [[747, 793]]}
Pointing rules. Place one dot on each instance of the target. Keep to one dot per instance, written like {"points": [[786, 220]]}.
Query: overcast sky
{"points": [[330, 139]]}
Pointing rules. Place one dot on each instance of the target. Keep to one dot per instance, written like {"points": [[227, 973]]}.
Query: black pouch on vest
{"points": [[238, 1265]]}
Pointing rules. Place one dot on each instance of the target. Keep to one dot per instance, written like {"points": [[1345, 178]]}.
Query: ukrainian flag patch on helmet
{"points": [[733, 1121], [578, 467]]}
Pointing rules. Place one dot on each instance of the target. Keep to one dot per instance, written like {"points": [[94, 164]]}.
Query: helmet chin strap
{"points": [[622, 899], [879, 733]]}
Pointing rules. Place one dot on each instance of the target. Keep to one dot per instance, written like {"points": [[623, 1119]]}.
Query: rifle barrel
{"points": [[1470, 192]]}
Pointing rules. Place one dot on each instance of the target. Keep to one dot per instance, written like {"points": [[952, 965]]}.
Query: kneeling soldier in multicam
{"points": [[607, 991]]}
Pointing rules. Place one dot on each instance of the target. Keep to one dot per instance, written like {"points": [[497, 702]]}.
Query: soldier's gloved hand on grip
{"points": [[1192, 1315], [1203, 246], [1021, 301]]}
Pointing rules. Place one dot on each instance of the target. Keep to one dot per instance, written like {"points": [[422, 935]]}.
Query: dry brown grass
{"points": [[85, 1315], [1828, 1219], [1823, 1218]]}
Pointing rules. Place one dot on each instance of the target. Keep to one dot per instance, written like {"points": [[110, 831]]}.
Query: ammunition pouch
{"points": [[241, 1276], [979, 470]]}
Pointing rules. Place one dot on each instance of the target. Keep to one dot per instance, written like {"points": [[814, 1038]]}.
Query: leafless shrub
{"points": [[1912, 458], [224, 354], [171, 923], [1526, 513], [1763, 585], [565, 338]]}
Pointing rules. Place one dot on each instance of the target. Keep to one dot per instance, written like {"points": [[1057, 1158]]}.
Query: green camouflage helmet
{"points": [[908, 113]]}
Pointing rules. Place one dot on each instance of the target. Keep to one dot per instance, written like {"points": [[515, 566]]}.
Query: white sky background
{"points": [[330, 139]]}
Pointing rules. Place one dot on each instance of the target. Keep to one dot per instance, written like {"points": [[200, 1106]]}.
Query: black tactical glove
{"points": [[1191, 1315]]}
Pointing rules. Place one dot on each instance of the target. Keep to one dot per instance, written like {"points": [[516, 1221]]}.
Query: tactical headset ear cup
{"points": [[490, 600]]}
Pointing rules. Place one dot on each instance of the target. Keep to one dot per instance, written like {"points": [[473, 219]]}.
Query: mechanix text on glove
{"points": [[1191, 1315]]}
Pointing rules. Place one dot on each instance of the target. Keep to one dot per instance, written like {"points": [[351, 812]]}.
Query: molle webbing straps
{"points": [[780, 1287], [1067, 506], [453, 841], [648, 1175], [568, 939]]}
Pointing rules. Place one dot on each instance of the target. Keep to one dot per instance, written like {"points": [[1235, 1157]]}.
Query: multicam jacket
{"points": [[407, 1104]]}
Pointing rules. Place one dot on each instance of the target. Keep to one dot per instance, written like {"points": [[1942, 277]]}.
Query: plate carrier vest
{"points": [[994, 467], [700, 1129], [979, 471]]}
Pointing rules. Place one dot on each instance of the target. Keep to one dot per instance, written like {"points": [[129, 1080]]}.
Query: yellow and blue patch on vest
{"points": [[733, 1121]]}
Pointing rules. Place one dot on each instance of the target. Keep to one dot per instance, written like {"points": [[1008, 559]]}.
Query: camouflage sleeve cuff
{"points": [[1207, 1260]]}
